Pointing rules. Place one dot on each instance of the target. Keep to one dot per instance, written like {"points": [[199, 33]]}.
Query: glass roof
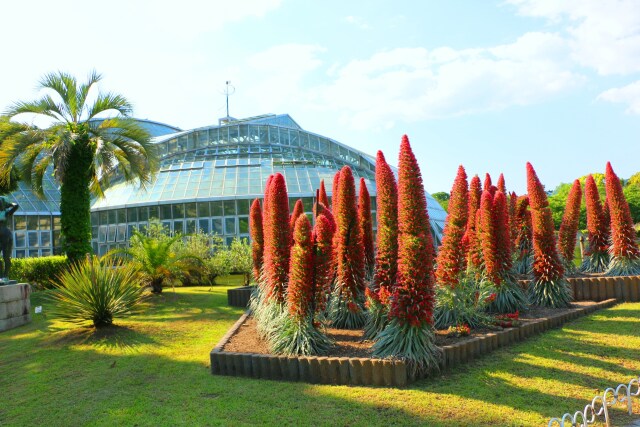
{"points": [[30, 203]]}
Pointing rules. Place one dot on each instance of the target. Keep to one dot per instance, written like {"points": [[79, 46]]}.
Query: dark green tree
{"points": [[89, 137], [443, 199]]}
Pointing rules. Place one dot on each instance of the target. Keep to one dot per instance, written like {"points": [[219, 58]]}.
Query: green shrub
{"points": [[40, 272], [95, 291]]}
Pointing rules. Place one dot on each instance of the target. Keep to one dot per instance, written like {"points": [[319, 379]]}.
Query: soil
{"points": [[350, 343]]}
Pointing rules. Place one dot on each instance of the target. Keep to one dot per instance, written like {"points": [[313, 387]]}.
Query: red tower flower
{"points": [[487, 182], [322, 194], [596, 259], [300, 291], [347, 304], [501, 184], [257, 238], [323, 258], [277, 239], [298, 209], [625, 255], [409, 333], [513, 224], [451, 256], [474, 252], [549, 287], [334, 194], [366, 226], [569, 227], [487, 234]]}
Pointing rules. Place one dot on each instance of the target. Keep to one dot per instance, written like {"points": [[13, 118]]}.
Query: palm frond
{"points": [[109, 102], [84, 89]]}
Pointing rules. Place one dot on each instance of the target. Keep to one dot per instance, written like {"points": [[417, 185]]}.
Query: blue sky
{"points": [[490, 85]]}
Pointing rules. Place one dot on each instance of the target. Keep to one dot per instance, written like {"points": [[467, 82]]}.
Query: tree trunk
{"points": [[75, 202], [156, 286]]}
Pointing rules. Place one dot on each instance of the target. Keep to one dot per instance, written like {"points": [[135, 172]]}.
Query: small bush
{"points": [[96, 292], [40, 272]]}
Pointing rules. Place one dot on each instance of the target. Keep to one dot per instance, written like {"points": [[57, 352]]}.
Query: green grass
{"points": [[153, 369]]}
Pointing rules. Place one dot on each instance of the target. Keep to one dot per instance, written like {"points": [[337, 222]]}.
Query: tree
{"points": [[443, 199], [625, 255], [83, 149], [549, 288], [632, 194], [409, 334], [241, 258]]}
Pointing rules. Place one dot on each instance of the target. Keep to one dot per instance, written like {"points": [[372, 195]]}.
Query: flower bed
{"points": [[336, 369]]}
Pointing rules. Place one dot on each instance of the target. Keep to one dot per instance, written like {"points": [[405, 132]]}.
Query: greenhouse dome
{"points": [[208, 178]]}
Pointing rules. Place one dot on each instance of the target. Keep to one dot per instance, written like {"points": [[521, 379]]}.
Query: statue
{"points": [[6, 235]]}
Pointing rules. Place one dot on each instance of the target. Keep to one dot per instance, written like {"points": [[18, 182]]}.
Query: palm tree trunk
{"points": [[156, 286], [75, 202]]}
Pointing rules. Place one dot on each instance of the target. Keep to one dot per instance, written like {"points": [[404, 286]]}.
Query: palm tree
{"points": [[84, 148]]}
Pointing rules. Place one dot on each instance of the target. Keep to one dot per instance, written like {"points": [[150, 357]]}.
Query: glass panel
{"points": [[203, 225], [56, 238], [229, 240], [20, 254], [45, 238], [33, 239], [230, 225], [143, 213], [122, 233], [20, 222], [94, 232], [243, 223], [121, 215], [111, 235], [178, 210], [229, 207], [104, 217], [132, 215], [165, 212], [191, 226], [216, 208], [203, 209], [154, 212], [216, 225], [21, 239], [112, 216], [178, 227], [190, 210], [243, 206], [56, 223], [45, 252], [34, 253], [32, 222]]}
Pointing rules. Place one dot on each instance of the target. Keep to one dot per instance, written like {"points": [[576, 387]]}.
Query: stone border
{"points": [[239, 297], [600, 288], [368, 371]]}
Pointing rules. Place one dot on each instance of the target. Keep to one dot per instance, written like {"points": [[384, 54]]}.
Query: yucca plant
{"points": [[95, 291]]}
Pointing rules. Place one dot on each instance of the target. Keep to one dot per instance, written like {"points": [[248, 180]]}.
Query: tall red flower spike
{"points": [[386, 267], [300, 294], [487, 182], [298, 209], [549, 287], [597, 224], [322, 194], [567, 235], [451, 256], [266, 208], [625, 255], [277, 239], [323, 258], [366, 225], [349, 252], [501, 184], [503, 237], [257, 237], [334, 194], [524, 236], [487, 234], [413, 297], [471, 240], [513, 224]]}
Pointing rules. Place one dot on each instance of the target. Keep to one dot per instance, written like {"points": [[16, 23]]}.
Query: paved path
{"points": [[636, 423]]}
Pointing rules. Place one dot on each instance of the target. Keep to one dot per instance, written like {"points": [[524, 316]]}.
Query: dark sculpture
{"points": [[6, 236]]}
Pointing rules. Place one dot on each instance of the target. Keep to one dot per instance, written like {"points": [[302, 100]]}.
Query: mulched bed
{"points": [[350, 343]]}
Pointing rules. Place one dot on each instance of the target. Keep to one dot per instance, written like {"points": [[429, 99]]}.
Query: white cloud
{"points": [[603, 35], [629, 95], [412, 84]]}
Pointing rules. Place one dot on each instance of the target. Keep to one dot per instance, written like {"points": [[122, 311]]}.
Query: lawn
{"points": [[153, 369]]}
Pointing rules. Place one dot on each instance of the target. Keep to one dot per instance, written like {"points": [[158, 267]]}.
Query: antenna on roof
{"points": [[229, 90]]}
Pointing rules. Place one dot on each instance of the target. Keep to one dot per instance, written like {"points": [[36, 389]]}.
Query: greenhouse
{"points": [[207, 180]]}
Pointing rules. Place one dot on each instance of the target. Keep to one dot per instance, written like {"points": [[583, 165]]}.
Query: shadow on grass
{"points": [[114, 336]]}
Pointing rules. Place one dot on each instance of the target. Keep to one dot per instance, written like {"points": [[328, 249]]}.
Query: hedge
{"points": [[40, 272]]}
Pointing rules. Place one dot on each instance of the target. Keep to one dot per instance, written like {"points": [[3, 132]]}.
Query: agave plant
{"points": [[95, 291]]}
